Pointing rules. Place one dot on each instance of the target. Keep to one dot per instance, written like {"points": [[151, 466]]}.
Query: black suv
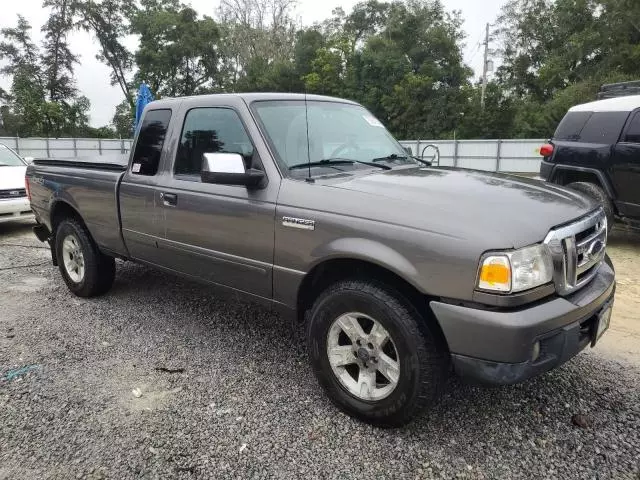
{"points": [[596, 150]]}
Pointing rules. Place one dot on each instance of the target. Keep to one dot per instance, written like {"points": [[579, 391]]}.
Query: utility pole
{"points": [[485, 65]]}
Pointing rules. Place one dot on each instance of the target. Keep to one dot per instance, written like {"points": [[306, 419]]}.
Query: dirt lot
{"points": [[160, 379], [623, 341]]}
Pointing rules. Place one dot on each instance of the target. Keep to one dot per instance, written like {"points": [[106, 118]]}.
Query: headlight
{"points": [[515, 271]]}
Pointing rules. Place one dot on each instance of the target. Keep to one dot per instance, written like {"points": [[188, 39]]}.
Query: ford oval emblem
{"points": [[595, 248]]}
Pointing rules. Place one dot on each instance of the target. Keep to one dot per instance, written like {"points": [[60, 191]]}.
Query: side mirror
{"points": [[229, 169], [29, 160]]}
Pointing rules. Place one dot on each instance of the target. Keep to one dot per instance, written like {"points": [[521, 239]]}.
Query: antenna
{"points": [[306, 117]]}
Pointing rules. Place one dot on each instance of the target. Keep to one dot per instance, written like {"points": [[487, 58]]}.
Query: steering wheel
{"points": [[344, 146]]}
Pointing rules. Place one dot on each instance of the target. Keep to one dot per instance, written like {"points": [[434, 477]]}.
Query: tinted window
{"points": [[604, 127], [153, 131], [571, 125], [633, 133], [211, 130]]}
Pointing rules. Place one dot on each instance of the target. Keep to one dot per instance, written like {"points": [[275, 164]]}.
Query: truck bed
{"points": [[88, 186], [112, 162]]}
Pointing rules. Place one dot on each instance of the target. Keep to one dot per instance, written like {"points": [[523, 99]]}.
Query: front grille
{"points": [[577, 250], [13, 193]]}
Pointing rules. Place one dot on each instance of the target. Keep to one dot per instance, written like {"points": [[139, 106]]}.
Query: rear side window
{"points": [[571, 126], [146, 157], [604, 127], [633, 132]]}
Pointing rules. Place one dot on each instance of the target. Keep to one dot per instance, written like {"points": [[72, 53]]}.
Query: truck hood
{"points": [[505, 210], [12, 177]]}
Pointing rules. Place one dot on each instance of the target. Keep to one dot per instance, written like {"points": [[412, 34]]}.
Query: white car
{"points": [[14, 203]]}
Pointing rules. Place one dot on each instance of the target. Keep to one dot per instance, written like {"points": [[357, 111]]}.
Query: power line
{"points": [[476, 46]]}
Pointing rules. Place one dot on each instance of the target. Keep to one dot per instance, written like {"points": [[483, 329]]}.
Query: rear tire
{"points": [[86, 271], [598, 194], [387, 377]]}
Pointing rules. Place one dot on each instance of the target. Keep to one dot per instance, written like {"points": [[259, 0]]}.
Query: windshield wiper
{"points": [[336, 161], [395, 156]]}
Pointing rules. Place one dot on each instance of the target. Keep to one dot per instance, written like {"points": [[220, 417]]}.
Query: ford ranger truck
{"points": [[401, 273]]}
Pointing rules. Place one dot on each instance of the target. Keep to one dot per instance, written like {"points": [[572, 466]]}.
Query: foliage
{"points": [[108, 20], [557, 53], [402, 59], [42, 100], [178, 53], [123, 120], [57, 59]]}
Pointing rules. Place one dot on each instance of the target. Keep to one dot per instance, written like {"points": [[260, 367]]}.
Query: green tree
{"points": [[57, 59], [25, 112], [495, 120], [123, 120], [108, 20], [42, 100], [178, 53], [402, 60], [255, 33], [557, 53]]}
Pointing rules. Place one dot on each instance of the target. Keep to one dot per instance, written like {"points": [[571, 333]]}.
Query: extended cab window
{"points": [[210, 130], [633, 133], [146, 157]]}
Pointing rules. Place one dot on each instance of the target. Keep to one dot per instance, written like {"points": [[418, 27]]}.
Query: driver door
{"points": [[223, 234]]}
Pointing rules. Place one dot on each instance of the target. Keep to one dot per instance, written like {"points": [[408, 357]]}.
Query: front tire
{"points": [[86, 271], [374, 355]]}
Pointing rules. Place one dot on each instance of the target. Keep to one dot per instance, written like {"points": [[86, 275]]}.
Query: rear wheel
{"points": [[373, 354], [86, 271], [598, 194]]}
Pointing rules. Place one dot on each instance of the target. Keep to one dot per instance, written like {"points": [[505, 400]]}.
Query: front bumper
{"points": [[497, 346], [18, 209]]}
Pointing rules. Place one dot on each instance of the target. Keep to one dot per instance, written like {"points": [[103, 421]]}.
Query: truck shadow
{"points": [[254, 336], [622, 235], [15, 228]]}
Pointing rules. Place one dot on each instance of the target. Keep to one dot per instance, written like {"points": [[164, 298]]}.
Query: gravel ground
{"points": [[241, 401]]}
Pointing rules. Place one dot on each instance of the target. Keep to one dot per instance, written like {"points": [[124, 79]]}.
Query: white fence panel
{"points": [[477, 149], [522, 165], [67, 147], [521, 148], [87, 144], [517, 156], [10, 142]]}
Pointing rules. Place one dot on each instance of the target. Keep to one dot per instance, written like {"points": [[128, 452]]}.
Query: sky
{"points": [[92, 77]]}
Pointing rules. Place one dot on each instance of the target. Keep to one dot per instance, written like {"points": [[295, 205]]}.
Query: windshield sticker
{"points": [[373, 121], [135, 168]]}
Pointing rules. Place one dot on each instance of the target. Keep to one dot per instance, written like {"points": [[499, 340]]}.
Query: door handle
{"points": [[169, 199]]}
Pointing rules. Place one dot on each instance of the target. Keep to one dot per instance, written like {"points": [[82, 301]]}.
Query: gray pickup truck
{"points": [[400, 272]]}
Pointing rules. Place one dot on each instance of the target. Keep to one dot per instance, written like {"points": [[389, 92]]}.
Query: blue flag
{"points": [[144, 98]]}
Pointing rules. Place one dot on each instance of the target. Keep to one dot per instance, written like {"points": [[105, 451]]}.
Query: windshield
{"points": [[337, 131], [9, 159]]}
